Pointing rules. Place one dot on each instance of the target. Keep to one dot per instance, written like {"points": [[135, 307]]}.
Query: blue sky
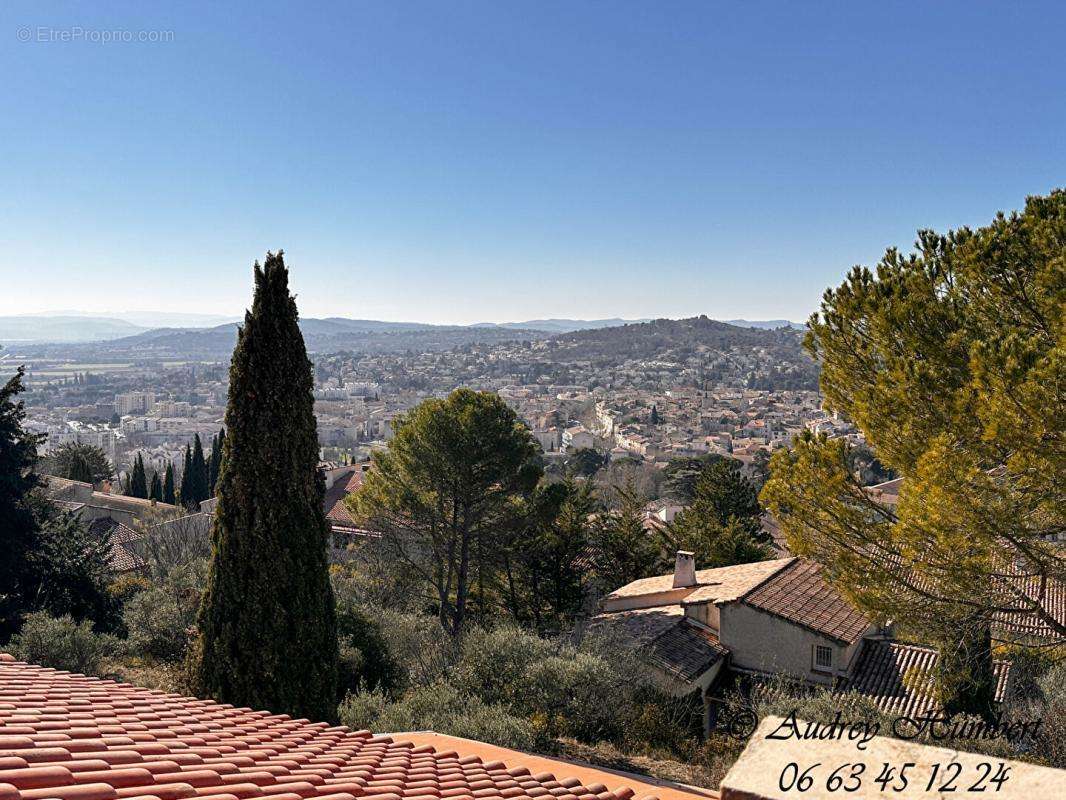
{"points": [[463, 162]]}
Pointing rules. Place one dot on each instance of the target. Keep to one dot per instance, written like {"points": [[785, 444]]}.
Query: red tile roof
{"points": [[799, 594], [72, 737], [124, 556], [333, 503], [899, 677]]}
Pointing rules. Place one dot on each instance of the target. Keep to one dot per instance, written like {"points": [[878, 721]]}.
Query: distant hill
{"points": [[763, 358], [321, 335], [765, 324], [154, 319], [562, 325], [646, 339], [64, 328]]}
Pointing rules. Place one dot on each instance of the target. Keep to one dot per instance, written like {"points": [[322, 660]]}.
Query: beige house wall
{"points": [[764, 643]]}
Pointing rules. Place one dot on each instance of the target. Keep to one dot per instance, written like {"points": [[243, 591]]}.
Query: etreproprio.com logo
{"points": [[77, 33]]}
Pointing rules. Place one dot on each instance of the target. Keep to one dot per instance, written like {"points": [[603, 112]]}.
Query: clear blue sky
{"points": [[461, 162]]}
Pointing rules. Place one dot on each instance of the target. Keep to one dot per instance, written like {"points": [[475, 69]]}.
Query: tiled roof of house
{"points": [[63, 488], [72, 737], [637, 626], [799, 594], [899, 677], [685, 650], [777, 536], [333, 502], [720, 584], [124, 557], [1050, 595]]}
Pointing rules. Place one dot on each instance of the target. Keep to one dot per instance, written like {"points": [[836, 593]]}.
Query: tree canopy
{"points": [[79, 462], [448, 491], [952, 362], [18, 533], [721, 525]]}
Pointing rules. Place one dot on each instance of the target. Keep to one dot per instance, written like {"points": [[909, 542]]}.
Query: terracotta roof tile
{"points": [[122, 538], [333, 502], [72, 737], [685, 650], [899, 676], [800, 595], [720, 584]]}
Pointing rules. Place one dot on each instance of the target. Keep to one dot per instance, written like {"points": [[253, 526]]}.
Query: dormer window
{"points": [[823, 658]]}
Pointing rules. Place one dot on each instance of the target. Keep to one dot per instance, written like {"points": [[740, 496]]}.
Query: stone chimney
{"points": [[684, 569]]}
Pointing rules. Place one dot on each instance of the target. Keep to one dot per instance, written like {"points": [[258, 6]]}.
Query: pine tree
{"points": [[19, 536], [199, 471], [168, 485], [138, 479], [155, 488], [268, 635]]}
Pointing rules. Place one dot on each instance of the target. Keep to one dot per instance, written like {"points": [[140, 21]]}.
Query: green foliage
{"points": [[443, 709], [214, 464], [448, 492], [268, 634], [951, 362], [366, 663], [721, 526], [160, 620], [138, 479], [73, 568], [715, 544], [723, 493], [585, 462], [62, 643], [510, 687], [545, 585], [18, 529], [965, 682], [155, 488], [195, 476], [623, 548], [79, 462], [187, 490], [169, 495], [680, 476]]}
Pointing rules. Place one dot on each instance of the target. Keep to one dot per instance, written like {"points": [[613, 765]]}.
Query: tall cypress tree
{"points": [[268, 636], [80, 469], [199, 471], [138, 479], [215, 462], [155, 488], [19, 536], [188, 490], [168, 485]]}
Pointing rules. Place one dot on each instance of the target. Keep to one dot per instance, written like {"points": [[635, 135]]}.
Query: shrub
{"points": [[156, 626], [365, 661], [62, 643], [125, 586], [444, 709], [494, 664], [419, 645], [159, 620]]}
